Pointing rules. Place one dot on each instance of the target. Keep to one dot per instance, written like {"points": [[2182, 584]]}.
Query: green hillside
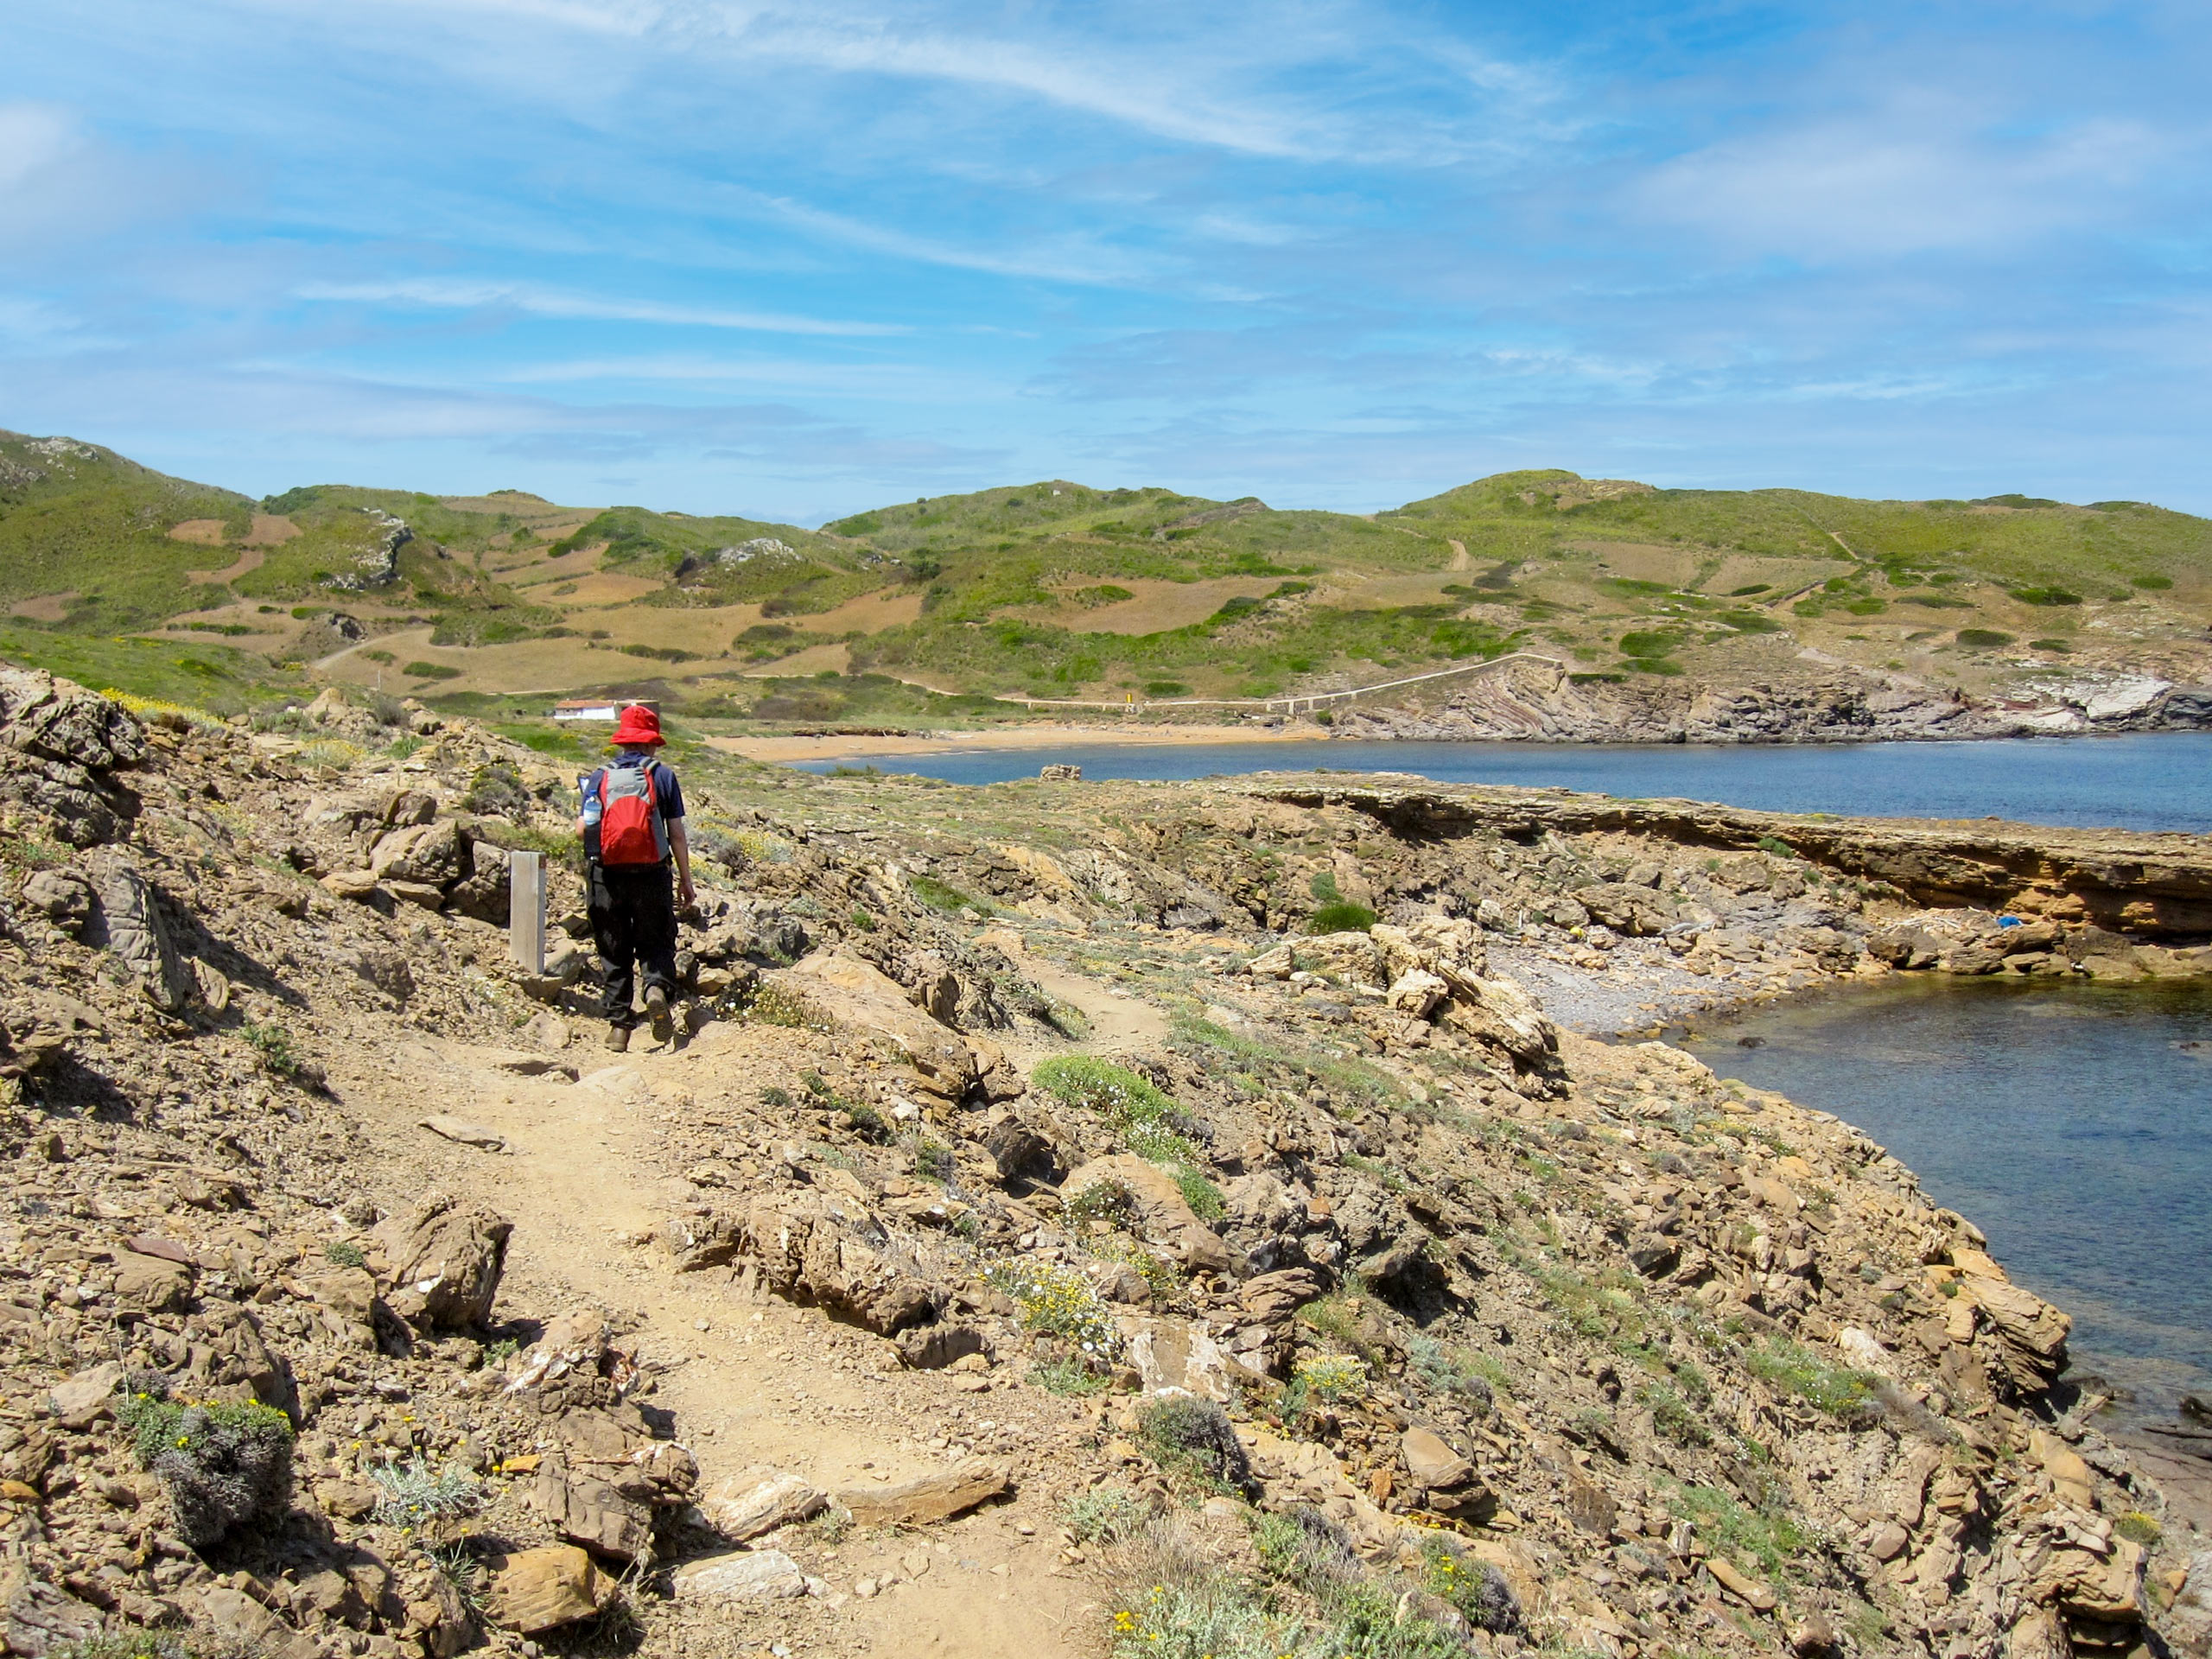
{"points": [[1055, 590]]}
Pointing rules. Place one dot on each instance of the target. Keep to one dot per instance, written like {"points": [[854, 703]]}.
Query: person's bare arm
{"points": [[679, 843]]}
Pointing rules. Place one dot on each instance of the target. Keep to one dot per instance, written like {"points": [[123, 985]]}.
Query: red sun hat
{"points": [[639, 726]]}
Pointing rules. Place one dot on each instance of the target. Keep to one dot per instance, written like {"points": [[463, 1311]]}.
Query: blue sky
{"points": [[792, 262]]}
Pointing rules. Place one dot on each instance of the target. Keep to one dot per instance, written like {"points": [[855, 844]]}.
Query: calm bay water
{"points": [[2071, 1122], [2146, 781]]}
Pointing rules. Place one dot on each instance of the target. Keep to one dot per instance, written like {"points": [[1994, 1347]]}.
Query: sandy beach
{"points": [[1047, 735]]}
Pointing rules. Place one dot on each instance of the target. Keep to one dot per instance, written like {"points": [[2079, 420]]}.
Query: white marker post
{"points": [[526, 909]]}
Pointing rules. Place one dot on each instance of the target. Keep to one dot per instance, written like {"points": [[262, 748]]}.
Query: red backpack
{"points": [[630, 832]]}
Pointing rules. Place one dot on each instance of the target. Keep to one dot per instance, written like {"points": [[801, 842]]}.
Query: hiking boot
{"points": [[618, 1039], [657, 1006]]}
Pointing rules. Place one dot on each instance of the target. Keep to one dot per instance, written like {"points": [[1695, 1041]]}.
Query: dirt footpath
{"points": [[755, 1383]]}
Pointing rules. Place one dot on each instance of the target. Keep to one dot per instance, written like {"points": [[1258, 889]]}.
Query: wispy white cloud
{"points": [[33, 137], [59, 185], [1325, 81], [461, 294], [1075, 257], [1922, 171], [882, 382]]}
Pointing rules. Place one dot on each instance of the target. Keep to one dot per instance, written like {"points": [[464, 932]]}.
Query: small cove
{"points": [[2071, 1122], [2159, 780]]}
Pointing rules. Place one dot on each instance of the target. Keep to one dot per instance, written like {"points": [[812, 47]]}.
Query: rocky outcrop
{"points": [[2139, 883], [447, 1259], [1823, 701], [66, 745], [377, 565]]}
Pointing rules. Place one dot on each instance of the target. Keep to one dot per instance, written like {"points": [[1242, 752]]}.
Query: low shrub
{"points": [[223, 1464], [1672, 1415], [412, 1492], [933, 1159], [154, 711], [1108, 1201], [1328, 1377], [498, 791], [1372, 1617], [1193, 1437], [420, 671], [1476, 1588], [1060, 1302], [1475, 1378]]}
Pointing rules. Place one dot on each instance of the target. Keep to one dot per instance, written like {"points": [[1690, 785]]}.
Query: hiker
{"points": [[632, 824]]}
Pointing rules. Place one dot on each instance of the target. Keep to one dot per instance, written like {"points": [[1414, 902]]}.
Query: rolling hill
{"points": [[1055, 590]]}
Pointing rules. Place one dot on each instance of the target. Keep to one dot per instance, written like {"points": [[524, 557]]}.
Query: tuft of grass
{"points": [[1447, 1369], [1110, 1513], [1803, 1375], [1161, 1276], [2139, 1529], [273, 1044], [772, 1003], [333, 754], [1341, 916], [1334, 1318], [1767, 1537], [939, 895], [344, 1254], [1069, 1379], [158, 1644]]}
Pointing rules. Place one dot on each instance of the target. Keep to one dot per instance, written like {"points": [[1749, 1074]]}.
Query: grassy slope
{"points": [[1054, 589], [79, 519]]}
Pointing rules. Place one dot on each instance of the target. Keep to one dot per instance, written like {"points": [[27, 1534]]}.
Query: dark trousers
{"points": [[633, 924]]}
